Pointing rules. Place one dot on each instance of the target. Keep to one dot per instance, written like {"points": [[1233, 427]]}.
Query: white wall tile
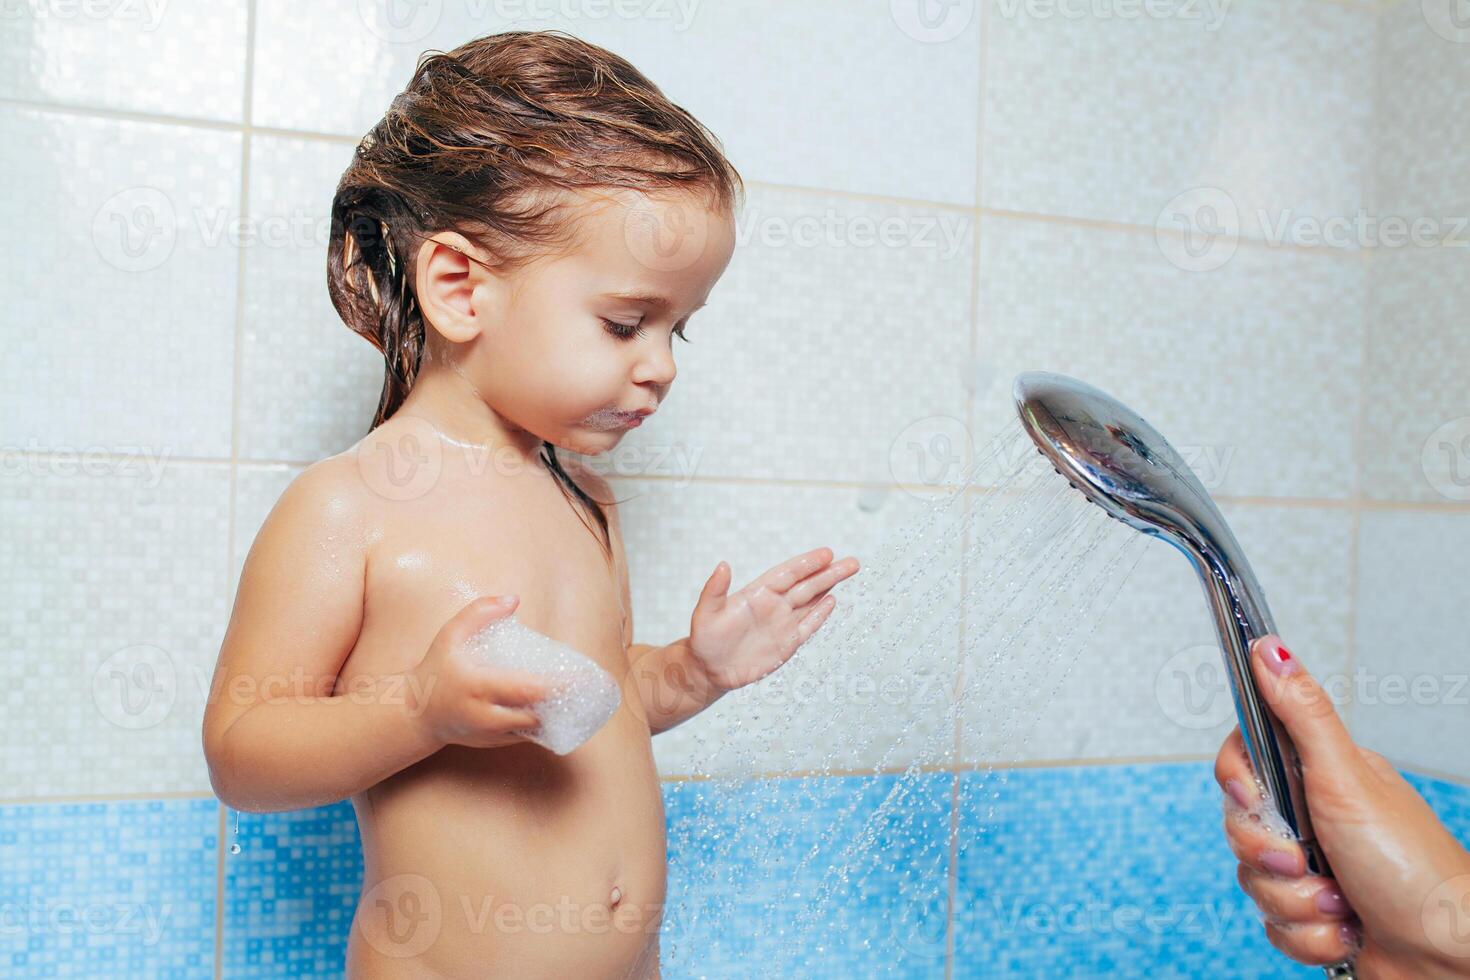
{"points": [[1417, 405], [1250, 370], [184, 59], [1416, 417], [120, 317], [115, 610], [1110, 117], [257, 488], [309, 385], [822, 94], [822, 346], [1422, 122], [1413, 653], [1147, 677]]}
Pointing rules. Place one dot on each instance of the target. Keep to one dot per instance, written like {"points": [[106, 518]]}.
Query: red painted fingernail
{"points": [[1350, 935], [1277, 657]]}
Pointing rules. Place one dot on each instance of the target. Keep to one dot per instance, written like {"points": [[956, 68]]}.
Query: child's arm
{"points": [[671, 683], [278, 734]]}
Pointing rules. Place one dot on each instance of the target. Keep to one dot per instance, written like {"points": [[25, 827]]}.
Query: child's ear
{"points": [[454, 290]]}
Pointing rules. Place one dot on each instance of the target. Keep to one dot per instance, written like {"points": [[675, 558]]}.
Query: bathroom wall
{"points": [[1192, 205]]}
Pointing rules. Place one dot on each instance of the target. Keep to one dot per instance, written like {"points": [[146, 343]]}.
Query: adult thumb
{"points": [[1304, 709]]}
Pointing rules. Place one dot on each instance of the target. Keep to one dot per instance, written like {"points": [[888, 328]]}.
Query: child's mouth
{"points": [[608, 419]]}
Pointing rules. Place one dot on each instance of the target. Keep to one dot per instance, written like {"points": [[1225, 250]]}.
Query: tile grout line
{"points": [[951, 898], [1324, 503], [1461, 780], [1360, 420], [1099, 224], [237, 383]]}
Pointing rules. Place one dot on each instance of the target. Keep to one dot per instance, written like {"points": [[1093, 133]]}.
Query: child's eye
{"points": [[622, 331], [627, 331]]}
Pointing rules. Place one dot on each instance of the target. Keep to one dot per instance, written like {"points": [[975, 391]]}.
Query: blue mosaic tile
{"points": [[1107, 871], [1076, 871], [108, 889], [788, 896], [290, 893]]}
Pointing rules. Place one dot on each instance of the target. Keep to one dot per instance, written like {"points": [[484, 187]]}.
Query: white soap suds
{"points": [[1262, 812], [583, 698]]}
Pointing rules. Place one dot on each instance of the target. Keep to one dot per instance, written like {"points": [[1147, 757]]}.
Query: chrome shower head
{"points": [[1122, 464]]}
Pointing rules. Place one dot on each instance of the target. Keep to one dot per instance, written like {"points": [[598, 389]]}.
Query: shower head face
{"points": [[1119, 461]]}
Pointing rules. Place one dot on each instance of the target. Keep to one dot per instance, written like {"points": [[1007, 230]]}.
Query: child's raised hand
{"points": [[464, 702], [739, 638]]}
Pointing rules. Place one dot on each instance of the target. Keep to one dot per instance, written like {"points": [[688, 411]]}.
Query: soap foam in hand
{"points": [[583, 695], [1262, 812]]}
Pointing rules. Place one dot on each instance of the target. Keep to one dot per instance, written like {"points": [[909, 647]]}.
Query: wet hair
{"points": [[495, 140]]}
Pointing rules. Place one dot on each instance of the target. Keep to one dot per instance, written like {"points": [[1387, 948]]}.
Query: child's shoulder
{"points": [[328, 496]]}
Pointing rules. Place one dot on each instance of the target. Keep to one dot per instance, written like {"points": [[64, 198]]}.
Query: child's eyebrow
{"points": [[649, 299]]}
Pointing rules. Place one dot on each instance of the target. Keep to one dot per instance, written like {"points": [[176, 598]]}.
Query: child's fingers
{"points": [[1316, 944], [499, 718], [509, 687], [793, 570], [814, 619], [814, 586], [1254, 845], [1311, 898]]}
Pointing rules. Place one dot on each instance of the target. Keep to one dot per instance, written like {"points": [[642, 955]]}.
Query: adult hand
{"points": [[1401, 895]]}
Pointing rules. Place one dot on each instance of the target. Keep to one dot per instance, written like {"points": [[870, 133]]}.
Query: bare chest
{"points": [[436, 555]]}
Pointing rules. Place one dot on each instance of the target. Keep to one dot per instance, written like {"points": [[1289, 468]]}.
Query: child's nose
{"points": [[656, 368]]}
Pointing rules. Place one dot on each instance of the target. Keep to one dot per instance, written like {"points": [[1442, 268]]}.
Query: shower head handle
{"points": [[1122, 464]]}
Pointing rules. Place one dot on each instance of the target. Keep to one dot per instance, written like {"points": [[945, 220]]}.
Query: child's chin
{"points": [[596, 442]]}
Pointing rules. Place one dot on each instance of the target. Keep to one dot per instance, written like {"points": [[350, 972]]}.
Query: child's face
{"points": [[549, 358]]}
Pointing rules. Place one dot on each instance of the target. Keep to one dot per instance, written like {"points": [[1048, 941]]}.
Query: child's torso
{"points": [[511, 861]]}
